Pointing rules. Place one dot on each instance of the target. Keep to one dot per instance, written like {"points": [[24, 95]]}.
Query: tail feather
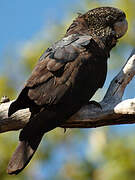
{"points": [[29, 139], [23, 155]]}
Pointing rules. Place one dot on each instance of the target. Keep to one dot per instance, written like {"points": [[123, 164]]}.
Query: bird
{"points": [[66, 77]]}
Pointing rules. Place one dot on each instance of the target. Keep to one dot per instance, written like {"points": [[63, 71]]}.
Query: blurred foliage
{"points": [[6, 87], [76, 154]]}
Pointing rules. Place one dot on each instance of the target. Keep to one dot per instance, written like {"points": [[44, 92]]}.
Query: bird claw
{"points": [[65, 130], [96, 104]]}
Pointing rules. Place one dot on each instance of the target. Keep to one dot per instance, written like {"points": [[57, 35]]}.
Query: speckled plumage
{"points": [[66, 76], [98, 23]]}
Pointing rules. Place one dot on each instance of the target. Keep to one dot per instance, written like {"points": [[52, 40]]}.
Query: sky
{"points": [[21, 20]]}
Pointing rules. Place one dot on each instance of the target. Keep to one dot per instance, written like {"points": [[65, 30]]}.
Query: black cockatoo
{"points": [[66, 76]]}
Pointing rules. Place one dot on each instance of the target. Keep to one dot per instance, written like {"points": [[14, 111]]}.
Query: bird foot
{"points": [[65, 130], [95, 103]]}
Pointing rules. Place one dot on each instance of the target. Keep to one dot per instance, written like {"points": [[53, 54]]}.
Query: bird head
{"points": [[106, 21], [104, 24]]}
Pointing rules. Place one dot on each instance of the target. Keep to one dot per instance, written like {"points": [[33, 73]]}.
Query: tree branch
{"points": [[114, 111]]}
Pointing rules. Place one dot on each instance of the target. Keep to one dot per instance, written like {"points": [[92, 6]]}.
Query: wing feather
{"points": [[57, 70]]}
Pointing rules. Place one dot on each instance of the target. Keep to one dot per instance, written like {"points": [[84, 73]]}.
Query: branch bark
{"points": [[114, 111]]}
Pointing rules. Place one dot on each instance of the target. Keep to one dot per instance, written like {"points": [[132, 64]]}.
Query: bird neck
{"points": [[105, 43], [104, 36]]}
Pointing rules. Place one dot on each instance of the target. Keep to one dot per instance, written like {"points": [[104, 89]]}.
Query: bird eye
{"points": [[109, 18]]}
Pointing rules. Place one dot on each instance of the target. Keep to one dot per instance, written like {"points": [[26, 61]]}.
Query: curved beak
{"points": [[120, 28]]}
